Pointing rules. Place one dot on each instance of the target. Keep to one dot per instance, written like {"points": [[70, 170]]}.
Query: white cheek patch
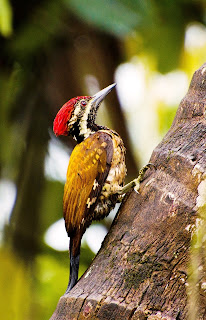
{"points": [[83, 129], [77, 110], [74, 118], [72, 121]]}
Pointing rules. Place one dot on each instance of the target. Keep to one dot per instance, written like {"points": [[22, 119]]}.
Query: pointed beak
{"points": [[99, 96]]}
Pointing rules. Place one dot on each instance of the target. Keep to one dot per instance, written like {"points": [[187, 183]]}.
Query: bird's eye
{"points": [[83, 103]]}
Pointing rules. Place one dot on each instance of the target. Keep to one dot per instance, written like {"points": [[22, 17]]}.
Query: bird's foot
{"points": [[140, 177], [136, 182]]}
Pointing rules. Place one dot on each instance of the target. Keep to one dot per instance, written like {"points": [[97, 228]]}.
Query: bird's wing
{"points": [[88, 168]]}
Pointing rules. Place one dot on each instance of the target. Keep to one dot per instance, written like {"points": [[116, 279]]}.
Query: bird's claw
{"points": [[140, 177]]}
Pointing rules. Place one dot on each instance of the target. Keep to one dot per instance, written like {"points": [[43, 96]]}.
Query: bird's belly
{"points": [[109, 196], [104, 206], [114, 181]]}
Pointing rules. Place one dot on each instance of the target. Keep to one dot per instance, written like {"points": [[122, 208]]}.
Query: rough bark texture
{"points": [[141, 270]]}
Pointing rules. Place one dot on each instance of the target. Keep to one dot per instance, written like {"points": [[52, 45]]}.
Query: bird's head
{"points": [[77, 116]]}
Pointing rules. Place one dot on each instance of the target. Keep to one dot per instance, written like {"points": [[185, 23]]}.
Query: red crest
{"points": [[64, 115]]}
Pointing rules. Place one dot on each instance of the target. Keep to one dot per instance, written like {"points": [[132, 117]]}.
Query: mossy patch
{"points": [[138, 273], [134, 257]]}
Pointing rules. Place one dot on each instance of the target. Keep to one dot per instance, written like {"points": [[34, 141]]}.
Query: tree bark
{"points": [[141, 271]]}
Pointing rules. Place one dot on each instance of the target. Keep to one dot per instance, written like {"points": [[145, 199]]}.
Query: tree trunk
{"points": [[141, 270]]}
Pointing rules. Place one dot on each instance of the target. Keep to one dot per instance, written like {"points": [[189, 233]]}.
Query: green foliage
{"points": [[160, 24], [39, 293], [111, 16], [15, 288], [37, 34], [51, 277], [165, 117], [51, 209], [10, 88], [5, 18]]}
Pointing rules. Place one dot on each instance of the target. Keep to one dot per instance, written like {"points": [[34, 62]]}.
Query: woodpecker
{"points": [[96, 171]]}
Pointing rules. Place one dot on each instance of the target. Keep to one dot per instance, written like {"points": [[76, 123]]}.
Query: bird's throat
{"points": [[83, 129]]}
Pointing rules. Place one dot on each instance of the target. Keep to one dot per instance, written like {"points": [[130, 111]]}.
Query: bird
{"points": [[96, 171]]}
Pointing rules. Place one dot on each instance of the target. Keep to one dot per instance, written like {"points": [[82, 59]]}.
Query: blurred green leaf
{"points": [[51, 278], [5, 18], [160, 24], [10, 88], [165, 117], [112, 16], [15, 288], [51, 209], [38, 32]]}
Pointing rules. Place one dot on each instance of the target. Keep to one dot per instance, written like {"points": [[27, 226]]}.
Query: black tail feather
{"points": [[74, 267]]}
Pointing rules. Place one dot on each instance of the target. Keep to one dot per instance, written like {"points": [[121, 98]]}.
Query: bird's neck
{"points": [[83, 129]]}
